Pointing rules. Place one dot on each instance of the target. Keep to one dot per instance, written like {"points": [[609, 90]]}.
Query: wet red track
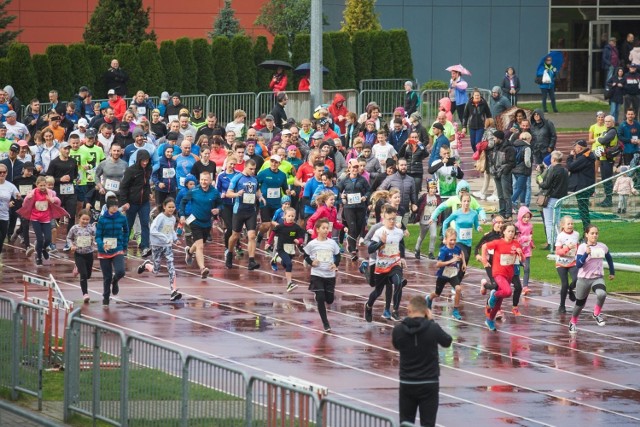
{"points": [[528, 373]]}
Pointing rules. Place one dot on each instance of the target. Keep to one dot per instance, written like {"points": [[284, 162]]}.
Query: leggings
{"points": [[286, 261], [4, 227], [157, 252], [564, 272], [583, 287], [355, 222], [433, 235], [112, 272], [42, 230], [395, 278], [227, 215], [423, 397], [526, 266], [504, 291], [323, 297], [84, 262]]}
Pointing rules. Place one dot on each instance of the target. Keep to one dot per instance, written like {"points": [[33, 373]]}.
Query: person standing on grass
{"points": [[163, 236], [112, 237], [323, 255], [80, 240], [417, 339], [590, 276]]}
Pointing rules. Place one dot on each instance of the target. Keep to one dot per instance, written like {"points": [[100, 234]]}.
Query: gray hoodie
{"points": [[499, 103]]}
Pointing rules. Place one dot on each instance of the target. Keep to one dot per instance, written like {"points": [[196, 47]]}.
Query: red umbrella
{"points": [[459, 68]]}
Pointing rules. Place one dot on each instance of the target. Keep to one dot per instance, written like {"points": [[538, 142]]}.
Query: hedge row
{"points": [[194, 66]]}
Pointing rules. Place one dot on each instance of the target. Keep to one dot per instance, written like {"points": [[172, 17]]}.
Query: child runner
{"points": [[494, 234], [525, 238], [566, 248], [189, 184], [80, 239], [590, 277], [505, 252], [388, 242], [326, 209], [24, 184], [289, 235], [466, 220], [426, 205], [112, 237], [51, 183], [323, 255], [450, 261], [163, 236], [278, 218]]}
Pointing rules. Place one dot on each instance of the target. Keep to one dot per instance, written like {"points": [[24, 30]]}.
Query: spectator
{"points": [[116, 78], [632, 87], [14, 102], [135, 190], [278, 81], [625, 50], [546, 78], [503, 161], [414, 153], [411, 99], [581, 166], [498, 102], [611, 150], [629, 135], [458, 94], [522, 171], [543, 136], [278, 113], [474, 115], [555, 185], [172, 110], [610, 59], [615, 86], [338, 111], [511, 86]]}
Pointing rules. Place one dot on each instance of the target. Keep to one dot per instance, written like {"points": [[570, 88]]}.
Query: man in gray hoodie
{"points": [[498, 102]]}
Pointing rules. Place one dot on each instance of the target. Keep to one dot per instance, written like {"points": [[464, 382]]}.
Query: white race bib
{"points": [[83, 241], [597, 253], [173, 117], [248, 198], [42, 205], [112, 185], [167, 229], [182, 180], [110, 243], [289, 248], [399, 221], [324, 256], [66, 189], [273, 193], [168, 173], [353, 198], [24, 189], [142, 111], [190, 219], [391, 249], [465, 233], [507, 259], [450, 271]]}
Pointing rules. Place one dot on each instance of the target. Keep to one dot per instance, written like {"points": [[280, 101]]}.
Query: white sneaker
{"points": [[493, 198], [479, 195], [599, 320]]}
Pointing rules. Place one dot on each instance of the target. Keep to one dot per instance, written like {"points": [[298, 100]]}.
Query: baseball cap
{"points": [[10, 113], [438, 126], [83, 89], [90, 133], [581, 142], [14, 147], [65, 144], [292, 147], [83, 122], [286, 132], [104, 105], [176, 94], [124, 126], [23, 143], [285, 199], [276, 158], [499, 134], [318, 135], [110, 195], [323, 121], [2, 126], [172, 136], [197, 108], [269, 117], [164, 96], [111, 92]]}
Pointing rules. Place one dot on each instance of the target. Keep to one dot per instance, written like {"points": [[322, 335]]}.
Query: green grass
{"points": [[569, 106], [543, 270]]}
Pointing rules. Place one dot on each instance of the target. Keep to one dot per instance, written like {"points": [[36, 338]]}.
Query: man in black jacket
{"points": [[502, 163], [582, 174], [417, 339], [278, 113], [554, 185], [135, 189], [116, 78]]}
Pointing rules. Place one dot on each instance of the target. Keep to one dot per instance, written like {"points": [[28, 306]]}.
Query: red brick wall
{"points": [[44, 24]]}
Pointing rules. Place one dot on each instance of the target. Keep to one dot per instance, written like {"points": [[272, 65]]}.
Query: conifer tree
{"points": [[6, 37], [58, 55], [261, 54], [381, 67], [22, 75], [359, 15], [280, 50], [345, 76], [127, 56], [329, 61], [300, 54], [153, 80], [171, 66], [80, 67], [184, 50], [43, 76], [402, 61], [226, 24], [204, 66], [224, 68], [362, 55], [98, 65], [246, 68]]}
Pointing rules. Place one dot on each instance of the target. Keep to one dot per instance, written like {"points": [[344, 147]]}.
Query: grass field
{"points": [[616, 236], [570, 106]]}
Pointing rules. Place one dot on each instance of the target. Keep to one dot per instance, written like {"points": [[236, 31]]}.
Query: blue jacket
{"points": [[112, 226], [222, 185], [166, 174], [553, 71], [202, 203]]}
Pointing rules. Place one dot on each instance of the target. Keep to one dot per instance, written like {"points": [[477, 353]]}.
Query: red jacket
{"points": [[337, 109], [331, 214], [304, 85], [119, 107], [278, 83]]}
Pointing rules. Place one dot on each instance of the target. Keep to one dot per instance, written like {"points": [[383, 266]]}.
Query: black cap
{"points": [[582, 143], [176, 94], [83, 89], [172, 136], [90, 133], [124, 126], [438, 126], [197, 108], [14, 147], [499, 134]]}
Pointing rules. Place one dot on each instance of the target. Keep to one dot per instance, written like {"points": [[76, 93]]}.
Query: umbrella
{"points": [[509, 115], [274, 64], [306, 67], [557, 59], [459, 68]]}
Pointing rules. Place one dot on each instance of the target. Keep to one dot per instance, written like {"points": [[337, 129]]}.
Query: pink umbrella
{"points": [[459, 68]]}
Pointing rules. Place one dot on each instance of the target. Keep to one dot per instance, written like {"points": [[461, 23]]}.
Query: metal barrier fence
{"points": [[299, 104], [335, 413], [384, 84], [21, 347], [12, 415], [224, 105], [387, 100]]}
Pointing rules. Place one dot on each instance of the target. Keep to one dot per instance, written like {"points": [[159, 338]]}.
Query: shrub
{"points": [[301, 53], [22, 75], [171, 66], [204, 66], [345, 76], [401, 51], [99, 66], [245, 67], [43, 75], [184, 50], [362, 55], [435, 84], [382, 56], [224, 69], [81, 67], [329, 61], [261, 54], [58, 55], [153, 78]]}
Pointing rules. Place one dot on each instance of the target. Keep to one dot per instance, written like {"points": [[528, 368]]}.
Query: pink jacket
{"points": [[331, 214], [624, 186], [525, 238], [55, 211]]}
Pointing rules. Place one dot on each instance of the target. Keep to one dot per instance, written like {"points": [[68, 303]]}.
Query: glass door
{"points": [[599, 33]]}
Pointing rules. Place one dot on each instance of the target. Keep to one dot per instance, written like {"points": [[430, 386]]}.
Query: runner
{"points": [[450, 261], [112, 236], [80, 239], [288, 235], [566, 247]]}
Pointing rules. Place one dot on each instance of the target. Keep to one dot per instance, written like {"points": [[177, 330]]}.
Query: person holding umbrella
{"points": [[546, 79], [278, 82], [458, 89]]}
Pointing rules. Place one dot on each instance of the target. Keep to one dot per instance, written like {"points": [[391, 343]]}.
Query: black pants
{"points": [[227, 215], [564, 272], [417, 178], [606, 171], [355, 222], [419, 396], [504, 187], [69, 202], [84, 262], [112, 271], [161, 196], [4, 229]]}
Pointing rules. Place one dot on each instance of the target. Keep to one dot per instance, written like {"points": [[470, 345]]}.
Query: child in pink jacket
{"points": [[624, 188]]}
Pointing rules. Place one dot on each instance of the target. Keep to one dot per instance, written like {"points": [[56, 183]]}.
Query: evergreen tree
{"points": [[226, 24], [246, 68], [300, 54], [58, 55], [329, 61], [5, 70], [345, 76], [362, 55], [43, 76], [127, 56], [118, 21], [381, 67], [224, 68], [280, 50], [99, 66], [286, 17], [261, 54], [6, 37], [359, 15], [80, 67], [171, 66], [402, 62], [184, 50], [22, 74], [153, 79], [204, 66]]}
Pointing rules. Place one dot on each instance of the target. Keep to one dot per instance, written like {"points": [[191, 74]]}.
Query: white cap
{"points": [[83, 122], [286, 132], [109, 195], [111, 92], [276, 158]]}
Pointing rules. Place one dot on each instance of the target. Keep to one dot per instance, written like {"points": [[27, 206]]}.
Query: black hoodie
{"points": [[417, 339], [135, 185]]}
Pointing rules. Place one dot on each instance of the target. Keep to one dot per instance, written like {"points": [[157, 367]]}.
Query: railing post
{"points": [[71, 363], [125, 351], [15, 338]]}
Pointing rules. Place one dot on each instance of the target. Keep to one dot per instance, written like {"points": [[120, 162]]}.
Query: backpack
{"points": [[520, 150]]}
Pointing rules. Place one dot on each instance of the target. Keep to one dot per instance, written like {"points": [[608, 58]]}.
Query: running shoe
{"points": [[599, 319], [66, 248], [145, 252], [456, 314], [30, 250], [115, 288], [274, 265], [483, 289], [204, 273], [417, 254], [188, 256], [487, 310], [52, 248], [38, 261], [291, 286], [253, 265], [492, 299], [105, 302], [492, 198], [14, 237], [361, 241], [228, 259], [86, 298], [431, 255], [386, 314], [572, 294], [142, 267], [364, 265], [526, 290], [354, 255], [175, 296], [326, 326], [562, 309], [239, 251], [429, 302], [368, 313], [259, 238], [516, 311], [395, 316], [573, 329], [490, 324]]}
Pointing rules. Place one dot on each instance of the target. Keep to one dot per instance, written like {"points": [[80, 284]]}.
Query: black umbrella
{"points": [[306, 67], [274, 64]]}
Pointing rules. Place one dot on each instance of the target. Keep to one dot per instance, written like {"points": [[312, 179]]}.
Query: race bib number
{"points": [[289, 248], [399, 221], [507, 259], [91, 175], [391, 249], [190, 219], [465, 233], [450, 271], [110, 243], [112, 185], [324, 256], [182, 180], [597, 253], [173, 117], [330, 227], [167, 229], [142, 111], [168, 173], [353, 198], [248, 198], [273, 193], [42, 205], [66, 189], [24, 189], [83, 241]]}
